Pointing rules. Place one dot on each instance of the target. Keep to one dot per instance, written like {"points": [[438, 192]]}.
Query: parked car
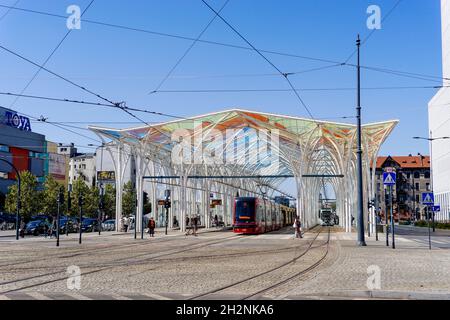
{"points": [[109, 225], [89, 225], [37, 227], [71, 223]]}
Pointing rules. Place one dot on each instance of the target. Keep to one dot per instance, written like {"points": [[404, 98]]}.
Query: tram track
{"points": [[102, 267], [81, 252], [92, 269], [279, 267], [293, 276]]}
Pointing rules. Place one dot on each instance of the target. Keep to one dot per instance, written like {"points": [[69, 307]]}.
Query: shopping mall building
{"points": [[26, 150]]}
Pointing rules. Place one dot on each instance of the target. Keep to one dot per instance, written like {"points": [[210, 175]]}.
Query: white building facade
{"points": [[83, 167], [439, 123]]}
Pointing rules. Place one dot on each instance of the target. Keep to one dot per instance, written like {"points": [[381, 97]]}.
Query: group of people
{"points": [[298, 227], [194, 222]]}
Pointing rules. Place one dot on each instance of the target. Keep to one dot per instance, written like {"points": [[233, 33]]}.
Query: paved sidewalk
{"points": [[411, 271]]}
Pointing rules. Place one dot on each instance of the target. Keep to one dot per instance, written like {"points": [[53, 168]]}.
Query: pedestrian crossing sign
{"points": [[389, 178], [428, 198]]}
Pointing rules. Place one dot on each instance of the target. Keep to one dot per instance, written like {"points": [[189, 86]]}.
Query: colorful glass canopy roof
{"points": [[298, 140]]}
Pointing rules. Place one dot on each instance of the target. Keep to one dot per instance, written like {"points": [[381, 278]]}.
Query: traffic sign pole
{"points": [[389, 179], [387, 228], [392, 219], [429, 229]]}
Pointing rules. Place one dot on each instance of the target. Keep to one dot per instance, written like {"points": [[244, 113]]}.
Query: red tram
{"points": [[256, 215]]}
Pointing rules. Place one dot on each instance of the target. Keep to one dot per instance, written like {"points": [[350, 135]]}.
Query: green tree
{"points": [[109, 200], [92, 201], [79, 188], [29, 196], [50, 196], [128, 199]]}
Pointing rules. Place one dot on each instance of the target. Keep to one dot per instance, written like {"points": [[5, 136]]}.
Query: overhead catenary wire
{"points": [[186, 52], [299, 89], [175, 36], [49, 57], [89, 103], [283, 74], [363, 41], [119, 105], [9, 10], [59, 126]]}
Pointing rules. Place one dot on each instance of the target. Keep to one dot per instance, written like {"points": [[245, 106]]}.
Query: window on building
{"points": [[408, 175], [427, 175], [417, 198], [416, 175], [428, 187], [417, 186], [4, 148]]}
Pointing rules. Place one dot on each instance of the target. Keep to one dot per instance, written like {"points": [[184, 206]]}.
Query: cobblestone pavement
{"points": [[116, 266]]}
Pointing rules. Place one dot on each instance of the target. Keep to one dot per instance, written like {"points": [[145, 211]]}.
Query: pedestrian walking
{"points": [[126, 222], [298, 227], [188, 228], [195, 225], [22, 229], [151, 227], [52, 228]]}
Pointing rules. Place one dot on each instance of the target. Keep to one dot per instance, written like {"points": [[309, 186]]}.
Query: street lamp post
{"points": [[101, 207], [80, 204], [430, 139], [60, 201], [18, 196], [360, 216]]}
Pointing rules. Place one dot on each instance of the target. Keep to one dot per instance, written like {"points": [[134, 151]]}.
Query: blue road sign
{"points": [[389, 178], [436, 208], [428, 198]]}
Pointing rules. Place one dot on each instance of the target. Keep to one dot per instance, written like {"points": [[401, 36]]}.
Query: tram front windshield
{"points": [[245, 210]]}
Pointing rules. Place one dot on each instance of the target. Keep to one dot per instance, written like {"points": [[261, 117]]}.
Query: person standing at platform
{"points": [[126, 222], [195, 225], [151, 227], [298, 227]]}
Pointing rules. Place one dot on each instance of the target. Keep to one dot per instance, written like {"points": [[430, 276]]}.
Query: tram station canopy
{"points": [[242, 143]]}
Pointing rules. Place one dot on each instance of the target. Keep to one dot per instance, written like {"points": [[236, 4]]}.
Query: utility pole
{"points": [[142, 214], [392, 216], [69, 207], [100, 210], [375, 201], [360, 215], [80, 204], [135, 217], [387, 219], [60, 200], [167, 205], [431, 174]]}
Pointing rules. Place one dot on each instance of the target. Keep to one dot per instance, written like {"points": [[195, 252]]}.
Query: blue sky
{"points": [[125, 65]]}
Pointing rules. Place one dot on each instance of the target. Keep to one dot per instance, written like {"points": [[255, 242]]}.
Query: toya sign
{"points": [[12, 119]]}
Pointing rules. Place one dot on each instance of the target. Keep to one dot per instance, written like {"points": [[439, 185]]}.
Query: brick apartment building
{"points": [[413, 178]]}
